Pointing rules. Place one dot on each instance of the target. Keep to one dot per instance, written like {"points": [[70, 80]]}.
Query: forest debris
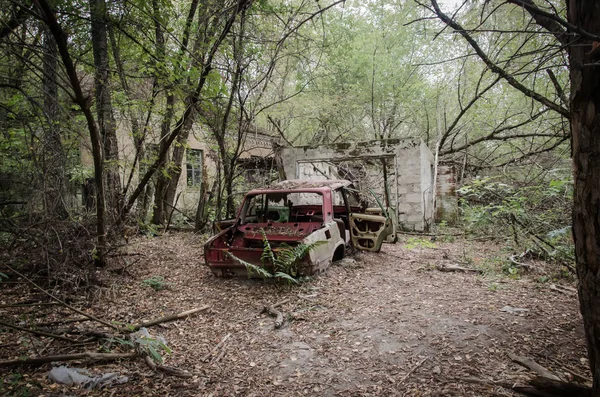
{"points": [[543, 386], [533, 366], [165, 369], [68, 376], [563, 289], [216, 348], [514, 310], [39, 333], [60, 301], [28, 304], [270, 310], [172, 317], [68, 357], [413, 369], [513, 260], [442, 267]]}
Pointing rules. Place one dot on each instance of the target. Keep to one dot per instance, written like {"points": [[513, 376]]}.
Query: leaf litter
{"points": [[382, 324]]}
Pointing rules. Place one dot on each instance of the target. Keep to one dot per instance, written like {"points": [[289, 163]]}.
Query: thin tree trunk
{"points": [[104, 110], [170, 181], [54, 162], [585, 129], [63, 48]]}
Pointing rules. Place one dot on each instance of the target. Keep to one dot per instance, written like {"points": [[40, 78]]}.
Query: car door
{"points": [[369, 227], [369, 231]]}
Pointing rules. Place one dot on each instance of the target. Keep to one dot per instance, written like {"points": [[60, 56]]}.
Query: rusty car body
{"points": [[295, 212]]}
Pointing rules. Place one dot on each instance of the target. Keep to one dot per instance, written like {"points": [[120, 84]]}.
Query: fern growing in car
{"points": [[285, 260]]}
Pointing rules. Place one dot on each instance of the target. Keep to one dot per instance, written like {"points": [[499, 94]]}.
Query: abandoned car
{"points": [[297, 212]]}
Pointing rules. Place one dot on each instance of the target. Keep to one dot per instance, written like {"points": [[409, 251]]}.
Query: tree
{"points": [[579, 34], [583, 18]]}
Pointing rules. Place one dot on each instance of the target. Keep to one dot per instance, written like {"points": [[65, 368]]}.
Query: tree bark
{"points": [[104, 109], [585, 130], [167, 183], [63, 49], [54, 161]]}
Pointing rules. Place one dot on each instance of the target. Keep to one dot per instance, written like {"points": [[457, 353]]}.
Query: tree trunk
{"points": [[585, 130], [104, 110], [63, 48], [54, 162], [177, 161]]}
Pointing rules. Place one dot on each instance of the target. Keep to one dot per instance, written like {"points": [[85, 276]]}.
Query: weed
{"points": [[157, 283], [494, 287], [414, 242]]}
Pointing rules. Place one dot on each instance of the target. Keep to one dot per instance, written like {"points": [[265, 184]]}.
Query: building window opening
{"points": [[194, 167]]}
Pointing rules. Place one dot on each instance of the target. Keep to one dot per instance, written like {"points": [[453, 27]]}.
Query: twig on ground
{"points": [[413, 369], [533, 366], [172, 371], [60, 301], [166, 319], [563, 289], [270, 310], [28, 304], [68, 357], [39, 333], [442, 267], [216, 348], [513, 260]]}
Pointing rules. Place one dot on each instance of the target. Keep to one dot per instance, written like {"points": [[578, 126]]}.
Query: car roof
{"points": [[303, 185]]}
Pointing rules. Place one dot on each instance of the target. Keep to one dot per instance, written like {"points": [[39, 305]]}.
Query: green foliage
{"points": [[157, 283], [285, 260], [534, 216], [153, 346], [3, 276]]}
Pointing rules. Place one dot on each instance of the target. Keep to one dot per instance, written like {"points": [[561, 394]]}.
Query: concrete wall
{"points": [[446, 208], [410, 176]]}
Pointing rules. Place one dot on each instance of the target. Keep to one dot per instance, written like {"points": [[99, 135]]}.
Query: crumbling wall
{"points": [[446, 208], [408, 162]]}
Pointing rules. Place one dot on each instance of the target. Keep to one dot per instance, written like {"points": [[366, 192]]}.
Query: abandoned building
{"points": [[397, 172]]}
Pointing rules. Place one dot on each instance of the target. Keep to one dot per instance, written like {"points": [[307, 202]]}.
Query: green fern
{"points": [[285, 260], [251, 268]]}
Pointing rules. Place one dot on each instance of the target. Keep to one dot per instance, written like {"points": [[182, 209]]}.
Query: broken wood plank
{"points": [[533, 366], [166, 319]]}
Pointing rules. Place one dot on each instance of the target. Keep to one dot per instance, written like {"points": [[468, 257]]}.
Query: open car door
{"points": [[368, 231]]}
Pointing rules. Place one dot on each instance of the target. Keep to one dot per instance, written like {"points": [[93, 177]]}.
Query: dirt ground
{"points": [[385, 324]]}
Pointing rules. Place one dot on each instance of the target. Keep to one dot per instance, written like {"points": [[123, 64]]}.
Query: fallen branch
{"points": [[533, 366], [66, 321], [216, 348], [270, 310], [413, 369], [62, 302], [563, 289], [513, 260], [171, 371], [166, 319], [28, 304], [455, 268], [542, 386], [68, 357], [39, 333]]}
